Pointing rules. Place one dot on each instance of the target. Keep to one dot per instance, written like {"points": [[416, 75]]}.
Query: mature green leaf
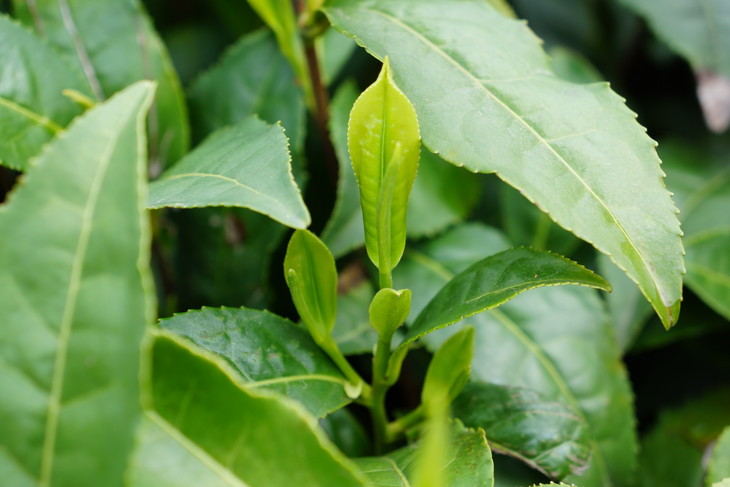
{"points": [[495, 280], [719, 466], [527, 225], [75, 302], [701, 181], [492, 105], [268, 352], [520, 422], [164, 458], [32, 107], [82, 30], [469, 463], [311, 275], [553, 340], [699, 30], [279, 15], [442, 194], [246, 165], [333, 50], [264, 439], [231, 91], [449, 369], [384, 146], [628, 309]]}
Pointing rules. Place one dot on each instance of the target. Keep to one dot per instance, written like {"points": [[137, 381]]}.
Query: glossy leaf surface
{"points": [[310, 273], [495, 280], [546, 435], [246, 165], [492, 105], [81, 30], [230, 91], [32, 106], [719, 466], [264, 441], [384, 146], [548, 340], [76, 299], [468, 464], [268, 352]]}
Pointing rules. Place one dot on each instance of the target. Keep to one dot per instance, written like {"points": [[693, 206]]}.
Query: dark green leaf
{"points": [[353, 332], [519, 422], [83, 31], [247, 165], [469, 463], [345, 431], [231, 91], [492, 105], [261, 439], [667, 460], [708, 268], [553, 340], [77, 296], [310, 273], [495, 280], [32, 106], [268, 352]]}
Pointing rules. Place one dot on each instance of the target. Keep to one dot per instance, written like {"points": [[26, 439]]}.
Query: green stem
{"points": [[386, 278], [331, 349], [404, 423], [379, 391]]}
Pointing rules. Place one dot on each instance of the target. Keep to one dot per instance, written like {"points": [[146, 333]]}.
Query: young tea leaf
{"points": [[389, 309], [384, 146], [310, 273], [719, 466]]}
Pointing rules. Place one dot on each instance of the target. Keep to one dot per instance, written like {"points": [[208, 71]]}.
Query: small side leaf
{"points": [[247, 165], [269, 352], [389, 309], [310, 273], [546, 435], [449, 369], [468, 462], [496, 279], [384, 145]]}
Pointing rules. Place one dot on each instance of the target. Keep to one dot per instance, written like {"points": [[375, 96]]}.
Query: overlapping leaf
{"points": [[114, 44], [32, 106], [549, 340], [245, 165], [519, 422], [492, 104], [469, 463], [719, 466], [268, 352], [260, 440], [75, 302], [495, 280]]}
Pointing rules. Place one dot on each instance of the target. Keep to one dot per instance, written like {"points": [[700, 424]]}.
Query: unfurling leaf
{"points": [[310, 273], [449, 369], [389, 309], [384, 144]]}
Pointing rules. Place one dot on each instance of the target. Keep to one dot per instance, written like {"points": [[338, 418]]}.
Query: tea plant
{"points": [[419, 336]]}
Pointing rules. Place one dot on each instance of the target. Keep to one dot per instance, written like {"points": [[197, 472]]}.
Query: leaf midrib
{"points": [[31, 115], [69, 309], [529, 127], [511, 326]]}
